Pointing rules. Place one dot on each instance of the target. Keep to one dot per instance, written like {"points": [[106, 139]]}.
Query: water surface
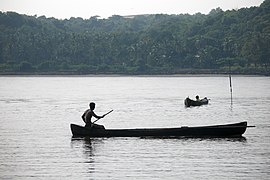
{"points": [[36, 142]]}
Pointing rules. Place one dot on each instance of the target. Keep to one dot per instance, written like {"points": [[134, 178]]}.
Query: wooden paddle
{"points": [[103, 115]]}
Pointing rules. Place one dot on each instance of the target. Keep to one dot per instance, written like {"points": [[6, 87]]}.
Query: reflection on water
{"points": [[141, 155], [231, 139], [86, 144]]}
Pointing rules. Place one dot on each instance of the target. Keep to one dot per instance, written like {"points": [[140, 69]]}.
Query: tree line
{"points": [[235, 40]]}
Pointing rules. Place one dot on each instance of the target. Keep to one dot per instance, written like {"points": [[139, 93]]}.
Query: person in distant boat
{"points": [[88, 114], [197, 98]]}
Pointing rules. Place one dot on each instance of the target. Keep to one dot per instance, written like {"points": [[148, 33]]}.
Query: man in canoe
{"points": [[88, 114]]}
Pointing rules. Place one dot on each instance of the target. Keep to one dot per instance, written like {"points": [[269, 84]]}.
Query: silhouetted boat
{"points": [[227, 130], [189, 102]]}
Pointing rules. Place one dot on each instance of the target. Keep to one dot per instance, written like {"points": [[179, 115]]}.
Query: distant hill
{"points": [[142, 44]]}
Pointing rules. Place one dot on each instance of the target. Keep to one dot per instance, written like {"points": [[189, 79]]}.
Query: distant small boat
{"points": [[189, 102], [227, 130]]}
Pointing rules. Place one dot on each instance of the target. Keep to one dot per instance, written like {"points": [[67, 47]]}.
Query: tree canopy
{"points": [[142, 44]]}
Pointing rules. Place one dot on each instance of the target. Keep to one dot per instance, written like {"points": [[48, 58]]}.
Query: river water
{"points": [[36, 141]]}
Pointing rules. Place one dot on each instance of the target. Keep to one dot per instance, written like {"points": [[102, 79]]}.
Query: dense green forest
{"points": [[236, 40]]}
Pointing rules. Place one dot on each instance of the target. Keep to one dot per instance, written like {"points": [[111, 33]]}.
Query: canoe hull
{"points": [[229, 130], [189, 102]]}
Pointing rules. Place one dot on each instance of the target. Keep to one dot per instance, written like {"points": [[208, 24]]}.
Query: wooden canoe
{"points": [[227, 130], [189, 102]]}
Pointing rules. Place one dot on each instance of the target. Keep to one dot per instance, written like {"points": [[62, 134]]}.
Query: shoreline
{"points": [[130, 75]]}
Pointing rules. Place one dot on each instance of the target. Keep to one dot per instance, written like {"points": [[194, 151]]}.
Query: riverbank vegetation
{"points": [[221, 41]]}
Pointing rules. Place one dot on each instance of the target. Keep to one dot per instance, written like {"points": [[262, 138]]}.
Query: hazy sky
{"points": [[105, 8]]}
